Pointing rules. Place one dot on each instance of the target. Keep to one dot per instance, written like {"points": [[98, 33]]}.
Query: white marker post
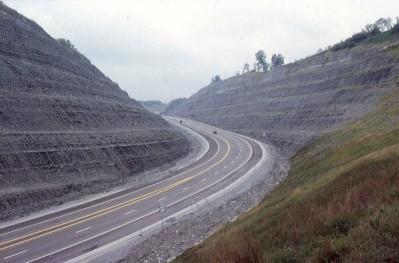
{"points": [[162, 209], [141, 229]]}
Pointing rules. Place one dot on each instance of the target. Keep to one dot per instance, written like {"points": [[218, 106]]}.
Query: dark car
{"points": [[215, 132]]}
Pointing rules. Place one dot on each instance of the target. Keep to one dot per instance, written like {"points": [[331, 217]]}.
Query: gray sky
{"points": [[169, 49]]}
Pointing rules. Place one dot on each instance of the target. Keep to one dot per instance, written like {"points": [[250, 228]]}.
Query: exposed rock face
{"points": [[65, 128], [290, 104]]}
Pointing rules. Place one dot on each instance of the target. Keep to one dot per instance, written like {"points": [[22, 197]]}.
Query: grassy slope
{"points": [[340, 202]]}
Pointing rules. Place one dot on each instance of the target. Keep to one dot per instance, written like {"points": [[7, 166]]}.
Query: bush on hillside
{"points": [[277, 60], [261, 62], [395, 28], [354, 39], [66, 43], [216, 78], [381, 26]]}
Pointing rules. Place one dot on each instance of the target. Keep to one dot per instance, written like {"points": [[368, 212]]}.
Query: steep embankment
{"points": [[65, 128], [290, 104], [340, 202]]}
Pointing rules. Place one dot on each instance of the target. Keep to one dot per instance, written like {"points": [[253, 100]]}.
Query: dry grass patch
{"points": [[340, 202]]}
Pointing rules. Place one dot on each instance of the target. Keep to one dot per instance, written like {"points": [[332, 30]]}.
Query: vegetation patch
{"points": [[67, 44], [340, 202], [380, 31]]}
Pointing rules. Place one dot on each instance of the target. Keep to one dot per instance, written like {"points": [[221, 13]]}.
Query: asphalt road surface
{"points": [[70, 233]]}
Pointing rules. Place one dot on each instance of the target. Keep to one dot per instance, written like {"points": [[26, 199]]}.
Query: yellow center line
{"points": [[73, 222]]}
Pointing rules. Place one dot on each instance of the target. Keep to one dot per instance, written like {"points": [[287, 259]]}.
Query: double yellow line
{"points": [[70, 223]]}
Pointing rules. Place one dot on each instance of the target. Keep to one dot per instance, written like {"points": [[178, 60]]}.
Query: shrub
{"points": [[261, 61], [373, 31], [66, 43], [395, 29], [353, 40], [277, 60], [217, 78]]}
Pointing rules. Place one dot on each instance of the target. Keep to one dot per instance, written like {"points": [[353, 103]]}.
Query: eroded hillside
{"points": [[290, 104], [65, 128], [340, 201]]}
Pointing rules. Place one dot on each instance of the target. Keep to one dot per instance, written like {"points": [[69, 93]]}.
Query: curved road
{"points": [[73, 232]]}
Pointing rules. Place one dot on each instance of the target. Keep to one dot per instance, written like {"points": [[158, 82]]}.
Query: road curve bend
{"points": [[71, 234]]}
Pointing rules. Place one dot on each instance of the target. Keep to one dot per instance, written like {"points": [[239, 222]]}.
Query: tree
{"points": [[388, 23], [261, 60], [255, 68], [258, 67], [246, 68], [66, 43], [216, 79], [395, 28], [381, 25], [384, 24], [277, 60], [371, 28]]}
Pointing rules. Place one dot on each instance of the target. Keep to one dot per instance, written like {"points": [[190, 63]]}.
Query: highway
{"points": [[75, 231]]}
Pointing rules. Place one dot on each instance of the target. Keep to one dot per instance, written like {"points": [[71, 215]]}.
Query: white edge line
{"points": [[16, 254], [113, 199], [96, 252], [103, 233], [82, 230], [129, 212], [92, 255], [98, 235], [137, 219], [111, 229]]}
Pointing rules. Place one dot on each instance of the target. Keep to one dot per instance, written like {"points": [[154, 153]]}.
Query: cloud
{"points": [[168, 49]]}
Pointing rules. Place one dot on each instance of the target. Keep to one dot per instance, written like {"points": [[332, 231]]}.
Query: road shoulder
{"points": [[197, 222]]}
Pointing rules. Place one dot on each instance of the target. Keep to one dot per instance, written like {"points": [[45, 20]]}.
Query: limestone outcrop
{"points": [[291, 104], [65, 128]]}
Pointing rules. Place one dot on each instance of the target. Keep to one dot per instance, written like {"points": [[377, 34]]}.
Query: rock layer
{"points": [[65, 128], [290, 104]]}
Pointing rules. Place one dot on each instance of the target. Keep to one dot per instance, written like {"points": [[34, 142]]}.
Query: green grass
{"points": [[340, 202]]}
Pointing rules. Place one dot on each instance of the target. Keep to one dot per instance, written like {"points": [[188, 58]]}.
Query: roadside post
{"points": [[162, 210]]}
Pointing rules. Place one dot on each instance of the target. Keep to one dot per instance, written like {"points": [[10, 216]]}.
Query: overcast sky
{"points": [[169, 49]]}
